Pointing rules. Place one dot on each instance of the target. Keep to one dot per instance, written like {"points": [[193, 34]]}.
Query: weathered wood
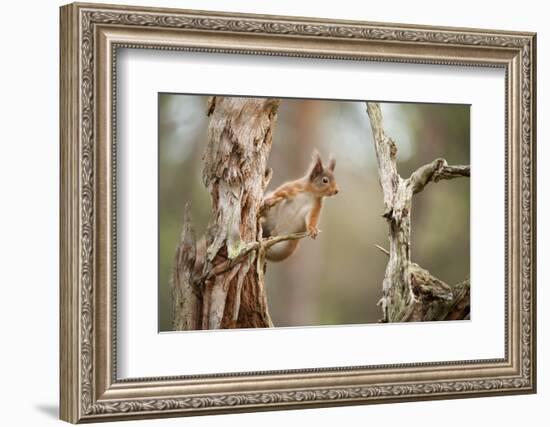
{"points": [[411, 293], [186, 297], [218, 282], [435, 171]]}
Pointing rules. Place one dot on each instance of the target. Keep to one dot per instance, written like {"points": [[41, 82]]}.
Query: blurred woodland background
{"points": [[336, 279]]}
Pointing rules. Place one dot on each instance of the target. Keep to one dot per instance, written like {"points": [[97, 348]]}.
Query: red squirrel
{"points": [[295, 206]]}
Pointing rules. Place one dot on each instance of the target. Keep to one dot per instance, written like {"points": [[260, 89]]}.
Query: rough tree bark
{"points": [[210, 289], [411, 293], [218, 281]]}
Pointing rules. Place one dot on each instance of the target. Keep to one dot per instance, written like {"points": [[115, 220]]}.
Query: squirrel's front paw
{"points": [[313, 232]]}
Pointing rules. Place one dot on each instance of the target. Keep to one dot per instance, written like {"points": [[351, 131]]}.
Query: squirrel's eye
{"points": [[325, 180]]}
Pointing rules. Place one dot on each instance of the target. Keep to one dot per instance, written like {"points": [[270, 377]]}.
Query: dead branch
{"points": [[410, 293], [264, 244], [435, 171]]}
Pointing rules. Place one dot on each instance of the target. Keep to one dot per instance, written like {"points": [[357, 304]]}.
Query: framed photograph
{"points": [[266, 212]]}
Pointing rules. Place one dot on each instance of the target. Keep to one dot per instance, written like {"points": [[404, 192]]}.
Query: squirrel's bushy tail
{"points": [[281, 250]]}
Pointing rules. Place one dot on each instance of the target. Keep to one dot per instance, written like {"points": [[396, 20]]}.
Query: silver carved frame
{"points": [[90, 36]]}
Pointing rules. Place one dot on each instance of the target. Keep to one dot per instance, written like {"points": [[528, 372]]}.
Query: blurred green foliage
{"points": [[336, 279]]}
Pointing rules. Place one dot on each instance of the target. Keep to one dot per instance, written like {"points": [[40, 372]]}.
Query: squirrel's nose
{"points": [[336, 190]]}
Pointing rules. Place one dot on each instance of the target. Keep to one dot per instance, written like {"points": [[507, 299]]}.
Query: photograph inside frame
{"points": [[281, 212]]}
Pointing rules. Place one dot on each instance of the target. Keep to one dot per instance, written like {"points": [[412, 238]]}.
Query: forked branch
{"points": [[410, 293]]}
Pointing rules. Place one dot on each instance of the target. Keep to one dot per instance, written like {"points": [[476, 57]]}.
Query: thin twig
{"points": [[247, 249], [383, 250], [267, 243]]}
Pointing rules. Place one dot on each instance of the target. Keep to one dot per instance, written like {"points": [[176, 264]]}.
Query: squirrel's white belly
{"points": [[289, 216]]}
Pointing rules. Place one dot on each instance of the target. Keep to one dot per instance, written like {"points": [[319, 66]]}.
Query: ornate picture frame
{"points": [[90, 37]]}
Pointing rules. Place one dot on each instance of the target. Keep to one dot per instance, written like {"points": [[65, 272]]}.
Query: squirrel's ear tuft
{"points": [[331, 163], [317, 165]]}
